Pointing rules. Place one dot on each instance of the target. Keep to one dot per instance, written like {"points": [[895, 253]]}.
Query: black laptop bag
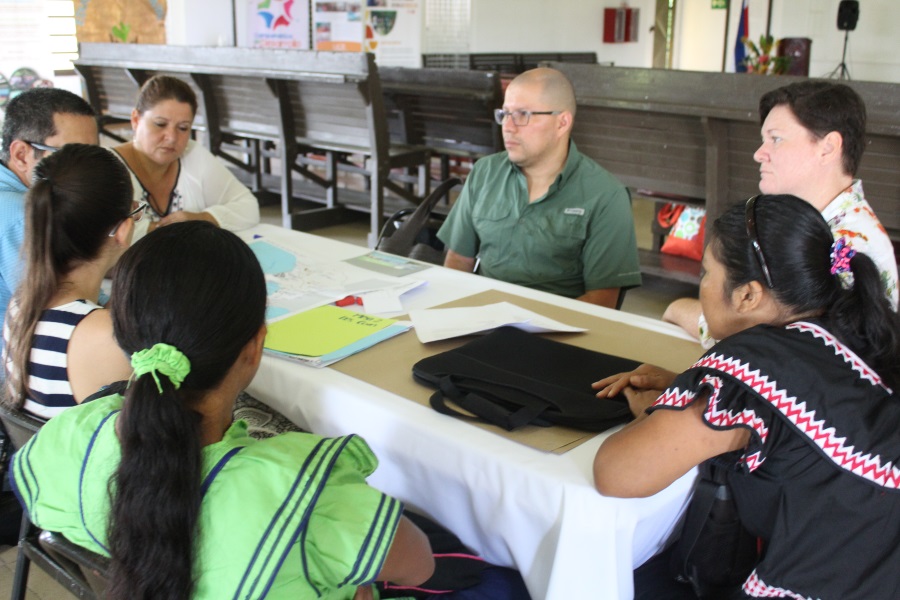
{"points": [[511, 378]]}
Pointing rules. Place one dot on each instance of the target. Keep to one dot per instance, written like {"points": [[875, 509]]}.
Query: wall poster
{"points": [[338, 25], [394, 32], [279, 24]]}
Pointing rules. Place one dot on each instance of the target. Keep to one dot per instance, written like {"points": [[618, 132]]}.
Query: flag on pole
{"points": [[742, 32]]}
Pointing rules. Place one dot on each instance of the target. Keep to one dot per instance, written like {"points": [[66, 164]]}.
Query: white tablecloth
{"points": [[514, 505]]}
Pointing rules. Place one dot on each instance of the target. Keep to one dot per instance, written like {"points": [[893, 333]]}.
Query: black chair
{"points": [[82, 572], [401, 234], [79, 571], [19, 425]]}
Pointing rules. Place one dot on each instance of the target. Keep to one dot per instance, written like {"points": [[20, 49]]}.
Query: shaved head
{"points": [[555, 89]]}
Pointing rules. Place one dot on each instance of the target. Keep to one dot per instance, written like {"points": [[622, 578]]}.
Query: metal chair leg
{"points": [[23, 564]]}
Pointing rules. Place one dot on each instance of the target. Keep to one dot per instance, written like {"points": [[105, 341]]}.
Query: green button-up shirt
{"points": [[578, 237]]}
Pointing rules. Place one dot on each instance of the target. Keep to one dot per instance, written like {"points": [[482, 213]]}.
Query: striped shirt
{"points": [[49, 390]]}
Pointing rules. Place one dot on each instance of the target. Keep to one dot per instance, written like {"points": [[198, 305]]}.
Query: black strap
{"points": [[5, 452], [483, 406], [117, 387], [697, 515]]}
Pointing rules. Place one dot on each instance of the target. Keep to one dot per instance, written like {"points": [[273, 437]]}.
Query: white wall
{"points": [[871, 52], [193, 23], [699, 36], [577, 26], [558, 26], [872, 48]]}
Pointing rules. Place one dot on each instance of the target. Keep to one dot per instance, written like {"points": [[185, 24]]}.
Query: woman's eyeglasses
{"points": [[137, 214], [750, 216]]}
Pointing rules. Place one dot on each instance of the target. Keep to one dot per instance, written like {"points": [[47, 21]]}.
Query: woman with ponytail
{"points": [[798, 402], [161, 479], [79, 220]]}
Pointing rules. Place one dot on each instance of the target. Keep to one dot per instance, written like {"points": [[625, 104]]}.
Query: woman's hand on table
{"points": [[644, 378], [640, 400]]}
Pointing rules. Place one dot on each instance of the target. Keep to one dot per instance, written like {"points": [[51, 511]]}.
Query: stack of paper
{"points": [[434, 324], [324, 335]]}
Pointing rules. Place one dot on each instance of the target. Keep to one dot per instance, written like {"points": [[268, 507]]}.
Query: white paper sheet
{"points": [[436, 324], [387, 300]]}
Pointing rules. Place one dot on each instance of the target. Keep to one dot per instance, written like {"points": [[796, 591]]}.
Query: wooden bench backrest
{"points": [[243, 105], [329, 94], [501, 61], [111, 90], [444, 109], [335, 112], [534, 59]]}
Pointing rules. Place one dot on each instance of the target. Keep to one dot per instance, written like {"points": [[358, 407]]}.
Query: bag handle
{"points": [[668, 215], [485, 408]]}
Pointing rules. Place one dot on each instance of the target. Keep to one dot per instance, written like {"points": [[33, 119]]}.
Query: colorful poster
{"points": [[25, 35], [338, 25], [394, 32], [279, 24]]}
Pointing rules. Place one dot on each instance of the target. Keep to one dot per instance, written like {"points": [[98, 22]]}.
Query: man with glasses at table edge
{"points": [[37, 122], [541, 214]]}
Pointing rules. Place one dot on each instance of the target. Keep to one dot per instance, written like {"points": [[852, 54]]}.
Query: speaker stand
{"points": [[841, 71]]}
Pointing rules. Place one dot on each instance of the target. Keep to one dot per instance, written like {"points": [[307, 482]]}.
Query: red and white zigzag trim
{"points": [[757, 588], [850, 357], [721, 417], [865, 465]]}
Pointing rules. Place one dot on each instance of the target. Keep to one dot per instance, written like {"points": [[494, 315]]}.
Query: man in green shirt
{"points": [[541, 214]]}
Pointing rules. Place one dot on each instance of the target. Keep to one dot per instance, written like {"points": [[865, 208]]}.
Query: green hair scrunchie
{"points": [[161, 358]]}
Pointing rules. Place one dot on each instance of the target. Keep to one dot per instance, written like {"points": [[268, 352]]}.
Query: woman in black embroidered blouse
{"points": [[800, 390]]}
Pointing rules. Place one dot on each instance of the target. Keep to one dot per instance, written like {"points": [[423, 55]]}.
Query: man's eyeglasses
{"points": [[137, 214], [750, 216], [520, 118], [42, 147]]}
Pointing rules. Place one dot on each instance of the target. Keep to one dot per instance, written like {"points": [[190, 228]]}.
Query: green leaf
{"points": [[121, 31]]}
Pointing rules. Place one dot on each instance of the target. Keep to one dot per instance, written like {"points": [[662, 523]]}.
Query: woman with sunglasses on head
{"points": [[813, 138], [797, 400], [162, 479], [79, 220], [179, 178]]}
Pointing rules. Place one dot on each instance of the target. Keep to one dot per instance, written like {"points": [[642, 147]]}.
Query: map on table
{"points": [[296, 281]]}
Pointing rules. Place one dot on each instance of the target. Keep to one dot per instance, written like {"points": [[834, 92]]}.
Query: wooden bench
{"points": [[450, 111], [694, 134], [111, 91], [535, 59], [501, 62], [315, 109], [506, 63]]}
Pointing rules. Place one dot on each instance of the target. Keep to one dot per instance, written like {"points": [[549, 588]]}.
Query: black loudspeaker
{"points": [[848, 15]]}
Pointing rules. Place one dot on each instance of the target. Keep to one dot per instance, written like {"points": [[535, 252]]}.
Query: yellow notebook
{"points": [[323, 330]]}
